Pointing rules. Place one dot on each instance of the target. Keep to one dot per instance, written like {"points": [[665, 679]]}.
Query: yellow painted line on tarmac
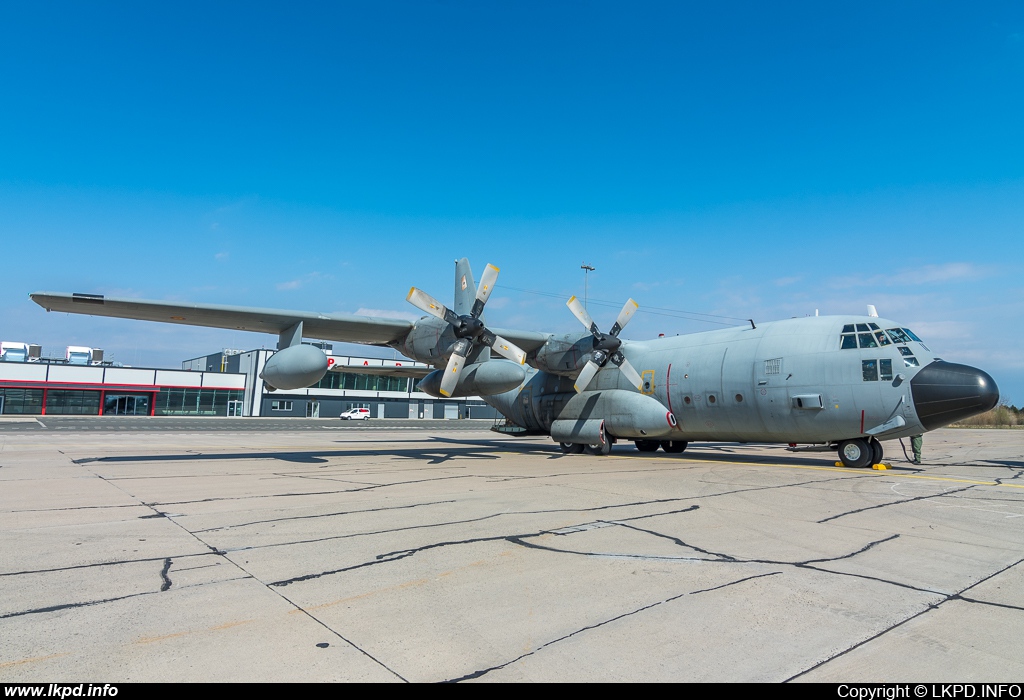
{"points": [[221, 449], [843, 470], [32, 660]]}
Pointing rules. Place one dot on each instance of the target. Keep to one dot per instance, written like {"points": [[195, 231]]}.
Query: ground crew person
{"points": [[916, 443]]}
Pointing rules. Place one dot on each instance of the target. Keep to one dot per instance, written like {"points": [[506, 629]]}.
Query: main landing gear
{"points": [[601, 449], [576, 448], [860, 452]]}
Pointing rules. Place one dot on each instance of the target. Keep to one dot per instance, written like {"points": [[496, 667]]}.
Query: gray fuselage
{"points": [[784, 382]]}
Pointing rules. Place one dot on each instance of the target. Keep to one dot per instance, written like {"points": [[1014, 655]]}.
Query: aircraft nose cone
{"points": [[945, 392]]}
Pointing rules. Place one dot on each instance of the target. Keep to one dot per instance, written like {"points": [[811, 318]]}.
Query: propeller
{"points": [[469, 329], [606, 345]]}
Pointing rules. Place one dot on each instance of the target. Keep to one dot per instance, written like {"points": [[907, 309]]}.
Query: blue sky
{"points": [[739, 159]]}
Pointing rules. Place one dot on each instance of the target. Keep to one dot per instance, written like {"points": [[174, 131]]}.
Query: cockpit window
{"points": [[862, 327], [849, 341], [873, 326], [883, 339], [867, 340], [898, 336], [848, 328], [911, 334]]}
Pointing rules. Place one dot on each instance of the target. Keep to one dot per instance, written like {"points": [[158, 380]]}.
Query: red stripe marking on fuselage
{"points": [[668, 386]]}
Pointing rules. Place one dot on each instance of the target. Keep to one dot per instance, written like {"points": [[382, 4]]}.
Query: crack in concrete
{"points": [[485, 671], [104, 563], [522, 541], [928, 607], [163, 574], [367, 534], [322, 515], [307, 493], [456, 522], [893, 503], [89, 603], [987, 602], [68, 606], [166, 582]]}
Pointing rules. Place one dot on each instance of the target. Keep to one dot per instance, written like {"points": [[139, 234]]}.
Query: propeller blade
{"points": [[585, 376], [486, 286], [428, 304], [627, 313], [581, 313], [507, 348], [455, 365], [627, 370]]}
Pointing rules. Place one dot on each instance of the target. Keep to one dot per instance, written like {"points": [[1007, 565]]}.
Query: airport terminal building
{"points": [[222, 384]]}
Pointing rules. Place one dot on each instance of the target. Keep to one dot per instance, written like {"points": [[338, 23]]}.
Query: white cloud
{"points": [[301, 281], [926, 274]]}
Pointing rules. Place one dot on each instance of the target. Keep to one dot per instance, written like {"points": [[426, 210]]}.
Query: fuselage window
{"points": [[869, 368], [885, 370], [873, 370]]}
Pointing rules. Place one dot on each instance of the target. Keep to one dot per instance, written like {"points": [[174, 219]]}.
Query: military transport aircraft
{"points": [[824, 382]]}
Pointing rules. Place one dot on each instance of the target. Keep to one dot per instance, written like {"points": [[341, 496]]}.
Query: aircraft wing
{"points": [[340, 327], [527, 340]]}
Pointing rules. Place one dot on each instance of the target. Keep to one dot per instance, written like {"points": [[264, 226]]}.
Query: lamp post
{"points": [[587, 269]]}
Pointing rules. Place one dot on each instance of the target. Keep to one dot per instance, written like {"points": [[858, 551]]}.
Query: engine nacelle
{"points": [[295, 368], [625, 414], [483, 379], [564, 354]]}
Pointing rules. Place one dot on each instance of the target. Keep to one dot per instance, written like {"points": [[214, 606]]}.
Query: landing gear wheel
{"points": [[673, 446], [856, 453], [876, 451], [647, 445], [571, 448], [600, 449]]}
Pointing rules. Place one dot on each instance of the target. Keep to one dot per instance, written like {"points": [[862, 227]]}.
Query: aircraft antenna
{"points": [[587, 269]]}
